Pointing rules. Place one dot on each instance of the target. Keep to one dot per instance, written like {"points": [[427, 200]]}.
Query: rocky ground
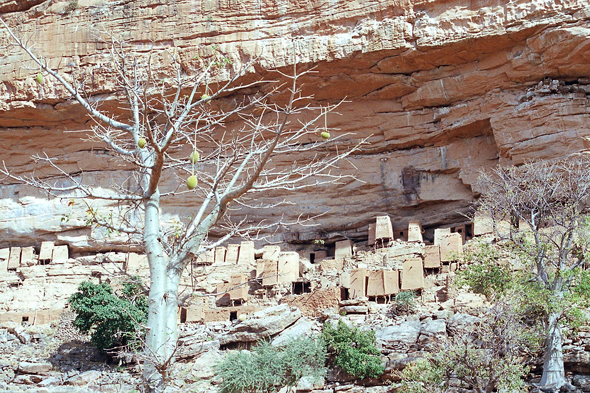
{"points": [[56, 358]]}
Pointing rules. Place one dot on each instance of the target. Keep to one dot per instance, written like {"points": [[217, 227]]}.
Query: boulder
{"points": [[432, 330], [191, 348], [262, 324], [34, 367], [84, 378], [308, 383], [398, 337], [459, 323], [302, 328], [203, 367]]}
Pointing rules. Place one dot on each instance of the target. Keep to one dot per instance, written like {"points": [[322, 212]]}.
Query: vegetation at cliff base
{"points": [[268, 368], [352, 350], [112, 321]]}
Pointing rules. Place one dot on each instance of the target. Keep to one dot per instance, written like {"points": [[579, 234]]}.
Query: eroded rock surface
{"points": [[441, 90]]}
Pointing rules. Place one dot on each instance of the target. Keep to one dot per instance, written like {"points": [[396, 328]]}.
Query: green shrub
{"points": [[484, 274], [423, 376], [405, 302], [268, 368], [111, 320], [353, 351], [486, 357]]}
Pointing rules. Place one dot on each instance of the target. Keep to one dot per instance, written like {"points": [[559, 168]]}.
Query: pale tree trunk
{"points": [[162, 329], [553, 377]]}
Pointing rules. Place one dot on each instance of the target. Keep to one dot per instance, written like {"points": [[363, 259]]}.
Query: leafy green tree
{"points": [[543, 207], [352, 350], [486, 357], [268, 368], [485, 274], [112, 321]]}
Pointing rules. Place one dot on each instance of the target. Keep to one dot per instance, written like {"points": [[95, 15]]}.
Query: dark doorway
{"points": [[233, 315], [301, 287], [312, 257], [344, 293]]}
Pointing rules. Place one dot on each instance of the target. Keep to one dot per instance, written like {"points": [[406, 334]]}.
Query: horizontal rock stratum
{"points": [[441, 89]]}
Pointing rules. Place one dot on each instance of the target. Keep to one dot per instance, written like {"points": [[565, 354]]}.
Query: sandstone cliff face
{"points": [[442, 89]]}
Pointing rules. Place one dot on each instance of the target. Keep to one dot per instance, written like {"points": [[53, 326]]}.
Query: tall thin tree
{"points": [[168, 107]]}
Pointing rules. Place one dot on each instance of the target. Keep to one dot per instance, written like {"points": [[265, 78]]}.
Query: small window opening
{"points": [[25, 319], [182, 315], [401, 234], [301, 287], [312, 257], [344, 294], [233, 315]]}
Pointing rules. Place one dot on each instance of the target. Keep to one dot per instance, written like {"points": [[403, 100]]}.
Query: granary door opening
{"points": [[300, 287], [344, 293]]}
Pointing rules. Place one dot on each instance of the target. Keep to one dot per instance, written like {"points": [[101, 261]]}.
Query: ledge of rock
{"points": [[262, 324], [441, 89]]}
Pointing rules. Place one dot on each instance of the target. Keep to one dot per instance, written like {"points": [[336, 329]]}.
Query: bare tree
{"points": [[168, 110], [545, 206]]}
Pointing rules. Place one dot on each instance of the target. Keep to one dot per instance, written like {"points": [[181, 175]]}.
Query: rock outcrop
{"points": [[441, 90]]}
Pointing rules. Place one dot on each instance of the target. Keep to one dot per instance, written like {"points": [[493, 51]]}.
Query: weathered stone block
{"points": [[136, 264], [451, 245], [288, 266], [414, 231], [267, 271], [375, 284], [482, 225], [401, 234], [14, 260], [358, 285], [271, 253], [195, 313], [246, 252], [391, 281], [318, 256], [206, 258], [413, 274], [343, 249], [60, 254], [383, 228], [331, 265], [239, 287], [460, 229], [232, 253], [4, 256], [46, 252], [223, 297], [439, 233], [372, 232], [432, 256], [220, 254], [27, 256]]}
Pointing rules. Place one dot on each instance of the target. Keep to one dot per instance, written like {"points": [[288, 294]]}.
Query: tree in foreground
{"points": [[484, 357], [113, 321], [172, 130], [544, 206]]}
